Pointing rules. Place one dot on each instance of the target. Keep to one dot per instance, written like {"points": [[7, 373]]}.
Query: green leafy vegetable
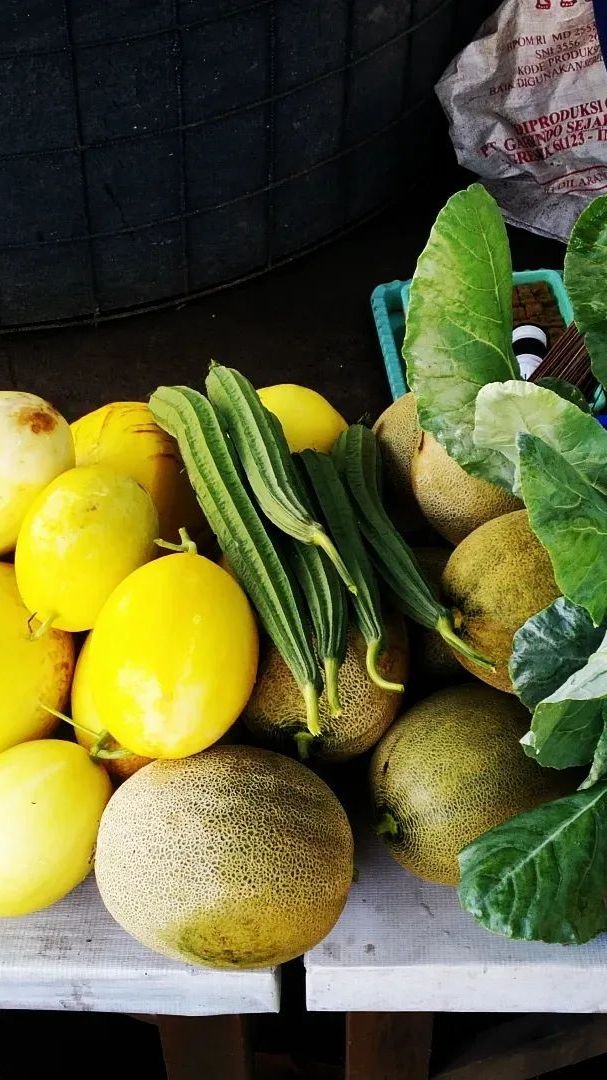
{"points": [[598, 769], [559, 669], [542, 876], [565, 390], [586, 278], [550, 647], [505, 410], [567, 505], [459, 324], [567, 725]]}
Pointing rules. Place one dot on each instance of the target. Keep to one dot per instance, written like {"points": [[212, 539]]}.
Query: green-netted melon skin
{"points": [[496, 579], [276, 712], [235, 858], [450, 769], [452, 501]]}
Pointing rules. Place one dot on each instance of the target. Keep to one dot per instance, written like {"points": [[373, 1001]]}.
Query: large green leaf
{"points": [[565, 390], [459, 324], [586, 281], [505, 410], [542, 876], [567, 725], [567, 505], [598, 769], [550, 647]]}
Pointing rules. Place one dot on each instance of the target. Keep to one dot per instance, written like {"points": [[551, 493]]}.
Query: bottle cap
{"points": [[530, 345]]}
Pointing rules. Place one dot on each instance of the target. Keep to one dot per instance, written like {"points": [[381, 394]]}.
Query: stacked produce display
{"points": [[209, 601]]}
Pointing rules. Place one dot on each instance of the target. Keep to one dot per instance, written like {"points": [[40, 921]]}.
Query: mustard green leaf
{"points": [[585, 276], [542, 876], [459, 324]]}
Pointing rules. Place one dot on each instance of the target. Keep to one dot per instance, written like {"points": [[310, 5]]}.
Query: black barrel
{"points": [[151, 150]]}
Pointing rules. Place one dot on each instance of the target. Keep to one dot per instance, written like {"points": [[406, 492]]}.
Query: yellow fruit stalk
{"points": [[125, 436], [31, 672]]}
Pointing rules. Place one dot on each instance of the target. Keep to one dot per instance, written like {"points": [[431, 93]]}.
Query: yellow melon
{"points": [[125, 436]]}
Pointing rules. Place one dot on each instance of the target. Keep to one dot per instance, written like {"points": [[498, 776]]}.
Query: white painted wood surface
{"points": [[402, 945], [74, 956]]}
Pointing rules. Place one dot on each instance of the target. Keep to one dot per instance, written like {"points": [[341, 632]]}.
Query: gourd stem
{"points": [[303, 741], [310, 694], [35, 635], [98, 749], [331, 685], [321, 540], [444, 626], [373, 651], [387, 825], [186, 547]]}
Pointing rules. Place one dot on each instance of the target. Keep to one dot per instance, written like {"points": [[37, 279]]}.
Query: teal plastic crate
{"points": [[389, 305]]}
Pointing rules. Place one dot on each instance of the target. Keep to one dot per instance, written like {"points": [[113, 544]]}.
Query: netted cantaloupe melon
{"points": [[398, 433], [451, 500], [450, 769], [276, 712], [495, 580], [235, 858]]}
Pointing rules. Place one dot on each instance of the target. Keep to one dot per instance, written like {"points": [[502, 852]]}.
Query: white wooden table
{"points": [[75, 957], [404, 946]]}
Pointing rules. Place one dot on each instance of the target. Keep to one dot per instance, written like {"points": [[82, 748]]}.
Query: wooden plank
{"points": [[388, 1046], [403, 945], [206, 1047], [75, 957], [530, 1047]]}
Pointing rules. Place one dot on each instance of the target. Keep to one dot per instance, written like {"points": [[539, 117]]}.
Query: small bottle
{"points": [[530, 346]]}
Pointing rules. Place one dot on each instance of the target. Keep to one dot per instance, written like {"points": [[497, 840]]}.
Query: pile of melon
{"points": [[148, 727]]}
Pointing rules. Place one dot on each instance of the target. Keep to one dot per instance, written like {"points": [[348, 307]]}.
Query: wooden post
{"points": [[205, 1047], [388, 1046]]}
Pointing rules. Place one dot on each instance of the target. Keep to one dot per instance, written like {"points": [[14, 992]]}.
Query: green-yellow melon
{"points": [[451, 500], [496, 579], [276, 712], [434, 663], [450, 769], [398, 433], [234, 858]]}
